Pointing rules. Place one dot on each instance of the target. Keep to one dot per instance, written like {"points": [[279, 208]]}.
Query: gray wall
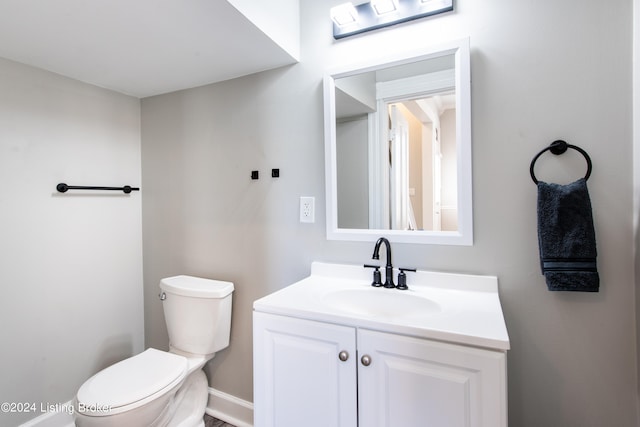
{"points": [[540, 71], [70, 265], [352, 172]]}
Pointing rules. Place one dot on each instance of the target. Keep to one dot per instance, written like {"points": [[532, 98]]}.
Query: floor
{"points": [[209, 421]]}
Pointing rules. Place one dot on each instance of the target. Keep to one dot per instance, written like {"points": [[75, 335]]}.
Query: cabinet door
{"points": [[299, 379], [413, 382]]}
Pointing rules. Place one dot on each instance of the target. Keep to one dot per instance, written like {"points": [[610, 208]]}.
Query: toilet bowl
{"points": [[157, 388]]}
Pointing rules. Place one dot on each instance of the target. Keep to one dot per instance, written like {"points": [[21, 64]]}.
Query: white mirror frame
{"points": [[464, 234]]}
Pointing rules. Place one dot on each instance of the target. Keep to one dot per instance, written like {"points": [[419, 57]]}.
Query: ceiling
{"points": [[137, 47]]}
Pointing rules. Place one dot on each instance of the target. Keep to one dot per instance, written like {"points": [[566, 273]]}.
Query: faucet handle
{"points": [[377, 279], [402, 278]]}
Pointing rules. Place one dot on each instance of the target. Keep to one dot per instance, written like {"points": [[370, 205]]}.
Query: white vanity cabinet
{"points": [[332, 351], [310, 373], [299, 379], [414, 382]]}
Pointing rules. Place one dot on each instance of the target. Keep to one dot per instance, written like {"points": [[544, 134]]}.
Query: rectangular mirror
{"points": [[398, 148]]}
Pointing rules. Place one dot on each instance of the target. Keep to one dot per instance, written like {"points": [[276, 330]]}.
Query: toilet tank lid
{"points": [[132, 380], [196, 287]]}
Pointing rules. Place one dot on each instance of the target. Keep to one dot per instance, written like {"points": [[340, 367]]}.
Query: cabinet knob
{"points": [[343, 355], [366, 360]]}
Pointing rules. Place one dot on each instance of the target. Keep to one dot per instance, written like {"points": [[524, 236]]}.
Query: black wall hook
{"points": [[560, 147]]}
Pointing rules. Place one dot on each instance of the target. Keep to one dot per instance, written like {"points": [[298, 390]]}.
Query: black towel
{"points": [[566, 237]]}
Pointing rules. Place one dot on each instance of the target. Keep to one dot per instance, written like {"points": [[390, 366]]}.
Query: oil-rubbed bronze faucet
{"points": [[388, 269]]}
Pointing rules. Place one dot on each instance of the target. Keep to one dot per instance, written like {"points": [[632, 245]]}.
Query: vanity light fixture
{"points": [[382, 7], [344, 14], [349, 20]]}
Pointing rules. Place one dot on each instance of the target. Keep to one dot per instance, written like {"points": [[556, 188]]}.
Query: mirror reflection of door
{"points": [[396, 149], [422, 144], [437, 181], [400, 205], [412, 159]]}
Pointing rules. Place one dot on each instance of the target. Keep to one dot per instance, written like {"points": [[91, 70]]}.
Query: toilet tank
{"points": [[197, 313]]}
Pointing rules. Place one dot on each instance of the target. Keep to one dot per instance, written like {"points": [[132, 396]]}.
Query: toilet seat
{"points": [[131, 383]]}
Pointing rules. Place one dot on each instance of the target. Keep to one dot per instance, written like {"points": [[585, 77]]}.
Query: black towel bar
{"points": [[559, 147], [62, 188]]}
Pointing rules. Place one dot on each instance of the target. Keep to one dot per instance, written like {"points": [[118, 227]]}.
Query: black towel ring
{"points": [[559, 147]]}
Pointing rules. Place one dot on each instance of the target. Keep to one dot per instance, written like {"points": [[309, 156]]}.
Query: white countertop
{"points": [[458, 308]]}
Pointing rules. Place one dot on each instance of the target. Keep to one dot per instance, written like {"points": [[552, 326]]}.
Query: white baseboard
{"points": [[230, 409], [60, 415]]}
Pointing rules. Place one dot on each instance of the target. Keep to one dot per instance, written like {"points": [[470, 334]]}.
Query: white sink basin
{"points": [[380, 302], [449, 307]]}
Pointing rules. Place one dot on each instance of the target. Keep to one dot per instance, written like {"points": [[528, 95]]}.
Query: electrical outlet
{"points": [[307, 209]]}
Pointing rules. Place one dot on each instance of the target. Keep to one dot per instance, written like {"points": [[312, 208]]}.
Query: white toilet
{"points": [[158, 388]]}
